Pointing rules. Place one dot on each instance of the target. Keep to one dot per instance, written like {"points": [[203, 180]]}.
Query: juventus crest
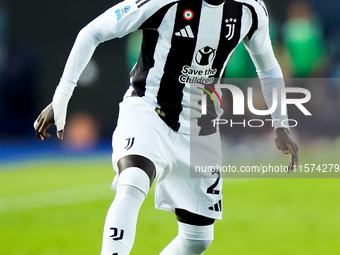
{"points": [[230, 23]]}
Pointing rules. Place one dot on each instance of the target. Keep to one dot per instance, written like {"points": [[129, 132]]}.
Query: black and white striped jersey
{"points": [[185, 43]]}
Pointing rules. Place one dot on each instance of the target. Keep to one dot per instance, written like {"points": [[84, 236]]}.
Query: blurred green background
{"points": [[58, 206]]}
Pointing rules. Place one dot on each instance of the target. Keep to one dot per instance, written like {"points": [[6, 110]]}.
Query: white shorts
{"points": [[140, 131]]}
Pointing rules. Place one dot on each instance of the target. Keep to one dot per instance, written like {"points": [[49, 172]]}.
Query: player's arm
{"points": [[270, 74], [85, 44], [118, 21], [115, 22], [271, 77]]}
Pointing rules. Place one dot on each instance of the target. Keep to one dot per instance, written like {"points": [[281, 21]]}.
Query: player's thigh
{"points": [[181, 187], [139, 133]]}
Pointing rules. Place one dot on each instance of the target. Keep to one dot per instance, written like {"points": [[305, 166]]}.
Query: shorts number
{"points": [[211, 189]]}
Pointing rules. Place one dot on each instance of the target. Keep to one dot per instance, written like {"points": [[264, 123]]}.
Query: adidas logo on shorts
{"points": [[217, 207]]}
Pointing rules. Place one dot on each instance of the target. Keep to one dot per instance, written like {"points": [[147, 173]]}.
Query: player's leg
{"points": [[136, 174], [195, 198], [137, 153], [195, 234]]}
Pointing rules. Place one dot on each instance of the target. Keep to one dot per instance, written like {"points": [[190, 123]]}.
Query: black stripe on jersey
{"points": [[182, 49], [146, 59], [145, 62], [205, 121], [156, 19], [255, 23]]}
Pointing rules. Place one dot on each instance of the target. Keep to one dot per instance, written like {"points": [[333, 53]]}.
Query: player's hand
{"points": [[44, 121], [285, 144]]}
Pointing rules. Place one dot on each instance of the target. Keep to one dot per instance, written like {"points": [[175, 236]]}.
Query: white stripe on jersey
{"points": [[210, 27], [153, 80]]}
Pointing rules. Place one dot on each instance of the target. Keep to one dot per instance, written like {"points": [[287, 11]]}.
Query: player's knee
{"points": [[135, 177], [197, 246], [137, 161], [196, 238]]}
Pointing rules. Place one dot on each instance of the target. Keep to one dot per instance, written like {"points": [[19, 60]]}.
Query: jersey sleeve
{"points": [[130, 15], [258, 40], [259, 46], [117, 21]]}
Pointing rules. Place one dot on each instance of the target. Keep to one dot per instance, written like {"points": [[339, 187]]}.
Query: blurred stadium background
{"points": [[54, 195]]}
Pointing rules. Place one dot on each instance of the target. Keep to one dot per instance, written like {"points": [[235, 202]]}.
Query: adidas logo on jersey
{"points": [[185, 32]]}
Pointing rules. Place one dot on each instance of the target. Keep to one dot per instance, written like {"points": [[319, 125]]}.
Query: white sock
{"points": [[191, 240], [121, 220]]}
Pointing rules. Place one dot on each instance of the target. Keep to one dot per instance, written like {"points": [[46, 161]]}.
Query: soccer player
{"points": [[185, 44]]}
